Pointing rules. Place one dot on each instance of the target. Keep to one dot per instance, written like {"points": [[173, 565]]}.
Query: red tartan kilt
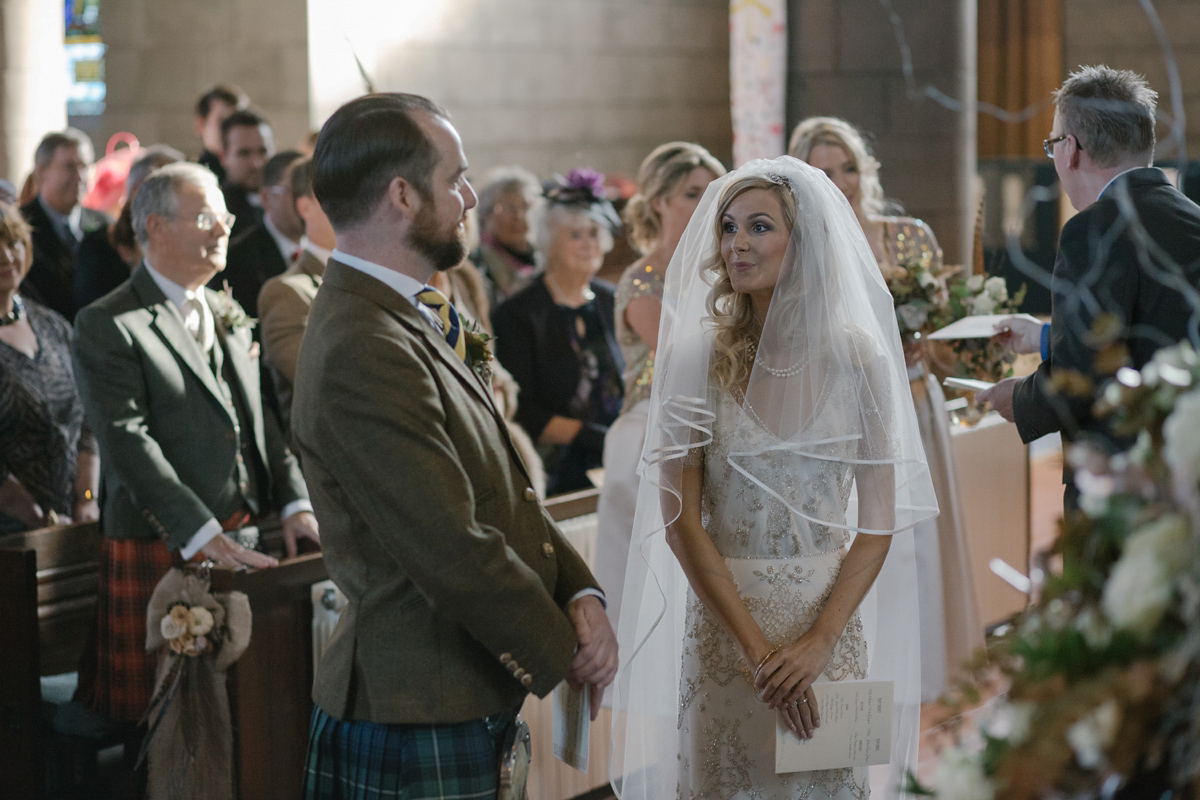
{"points": [[124, 672]]}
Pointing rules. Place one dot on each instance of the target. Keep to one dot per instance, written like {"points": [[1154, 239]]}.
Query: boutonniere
{"points": [[229, 313], [479, 350]]}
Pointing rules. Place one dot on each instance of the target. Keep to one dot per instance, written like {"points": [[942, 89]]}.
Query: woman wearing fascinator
{"points": [[781, 476], [556, 336]]}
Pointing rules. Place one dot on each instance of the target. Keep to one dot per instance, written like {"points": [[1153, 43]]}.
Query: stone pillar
{"points": [[845, 60], [33, 92]]}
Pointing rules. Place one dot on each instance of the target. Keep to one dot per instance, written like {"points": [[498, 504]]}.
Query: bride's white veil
{"points": [[830, 339]]}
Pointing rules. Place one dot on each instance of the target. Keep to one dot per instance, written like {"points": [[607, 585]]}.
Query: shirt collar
{"points": [[177, 294], [287, 248], [399, 282], [320, 253]]}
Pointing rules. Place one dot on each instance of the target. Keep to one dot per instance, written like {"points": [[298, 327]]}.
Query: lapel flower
{"points": [[228, 313], [479, 350]]}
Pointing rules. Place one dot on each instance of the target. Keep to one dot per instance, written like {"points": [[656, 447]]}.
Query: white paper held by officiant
{"points": [[572, 733], [856, 729], [980, 326]]}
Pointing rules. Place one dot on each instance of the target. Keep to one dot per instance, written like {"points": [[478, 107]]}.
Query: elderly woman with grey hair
{"points": [[557, 337], [505, 255], [107, 255]]}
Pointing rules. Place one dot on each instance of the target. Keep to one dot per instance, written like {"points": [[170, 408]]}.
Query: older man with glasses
{"points": [[1124, 264], [171, 390]]}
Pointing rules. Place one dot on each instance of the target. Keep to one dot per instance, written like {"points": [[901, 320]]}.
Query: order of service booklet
{"points": [[572, 716], [856, 729]]}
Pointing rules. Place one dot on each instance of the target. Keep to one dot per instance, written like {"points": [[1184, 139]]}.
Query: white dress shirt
{"points": [[287, 248], [184, 301], [318, 252]]}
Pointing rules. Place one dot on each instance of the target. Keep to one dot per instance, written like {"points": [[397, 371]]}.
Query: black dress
{"points": [[42, 430], [567, 363]]}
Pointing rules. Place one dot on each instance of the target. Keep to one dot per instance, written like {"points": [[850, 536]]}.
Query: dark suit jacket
{"points": [[429, 524], [99, 268], [1100, 268], [165, 431], [253, 259], [213, 161], [51, 279], [237, 204]]}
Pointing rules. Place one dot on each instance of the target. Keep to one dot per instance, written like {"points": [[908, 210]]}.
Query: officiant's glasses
{"points": [[207, 220], [1048, 144]]}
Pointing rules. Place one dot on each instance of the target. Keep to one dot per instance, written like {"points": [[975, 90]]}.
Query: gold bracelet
{"points": [[763, 663]]}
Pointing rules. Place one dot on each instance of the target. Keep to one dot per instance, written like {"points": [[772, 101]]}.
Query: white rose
{"points": [[1138, 591], [983, 304], [200, 620], [1011, 721], [997, 288], [974, 283], [1167, 538], [925, 279], [959, 776], [1093, 733], [171, 629], [1181, 432], [912, 315], [1094, 627]]}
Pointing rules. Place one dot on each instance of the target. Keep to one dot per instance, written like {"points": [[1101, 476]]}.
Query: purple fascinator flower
{"points": [[586, 178], [584, 188]]}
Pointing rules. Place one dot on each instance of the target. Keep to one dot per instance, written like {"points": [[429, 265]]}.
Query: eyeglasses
{"points": [[1048, 144], [206, 220]]}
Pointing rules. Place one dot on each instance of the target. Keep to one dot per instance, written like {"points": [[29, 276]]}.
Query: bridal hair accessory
{"points": [[189, 737], [583, 189]]}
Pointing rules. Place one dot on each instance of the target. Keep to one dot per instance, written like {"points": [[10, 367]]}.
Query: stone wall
{"points": [[548, 84], [1119, 34], [33, 81], [845, 61], [163, 54]]}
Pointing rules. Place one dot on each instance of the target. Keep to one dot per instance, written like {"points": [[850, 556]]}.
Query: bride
{"points": [[781, 476]]}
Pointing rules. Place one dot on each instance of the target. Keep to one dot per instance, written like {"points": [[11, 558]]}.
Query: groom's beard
{"points": [[443, 249]]}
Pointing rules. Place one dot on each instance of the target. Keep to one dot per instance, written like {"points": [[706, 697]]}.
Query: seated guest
{"points": [[1141, 271], [285, 300], [48, 468], [213, 108], [264, 249], [246, 144], [59, 222], [556, 336], [171, 391], [108, 255], [505, 254]]}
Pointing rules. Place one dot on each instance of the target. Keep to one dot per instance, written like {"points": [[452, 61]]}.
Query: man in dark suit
{"points": [[1128, 256], [266, 248], [246, 144], [170, 386], [59, 222], [464, 595], [213, 107]]}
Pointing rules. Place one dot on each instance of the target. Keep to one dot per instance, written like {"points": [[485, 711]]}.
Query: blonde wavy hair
{"points": [[658, 178], [839, 133], [737, 331]]}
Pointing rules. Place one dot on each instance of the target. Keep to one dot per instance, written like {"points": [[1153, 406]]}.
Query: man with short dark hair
{"points": [[264, 249], [213, 107], [246, 144], [1122, 260], [171, 389], [58, 220], [463, 594]]}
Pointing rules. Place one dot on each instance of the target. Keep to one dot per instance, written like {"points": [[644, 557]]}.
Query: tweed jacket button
{"points": [[505, 658], [547, 549], [519, 674], [527, 681], [513, 666], [530, 495]]}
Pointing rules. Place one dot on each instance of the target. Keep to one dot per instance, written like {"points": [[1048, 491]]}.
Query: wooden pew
{"points": [[48, 583]]}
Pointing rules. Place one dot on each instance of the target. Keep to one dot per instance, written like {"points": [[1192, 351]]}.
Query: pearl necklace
{"points": [[17, 313], [788, 372]]}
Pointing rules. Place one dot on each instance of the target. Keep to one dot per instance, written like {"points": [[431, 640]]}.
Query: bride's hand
{"points": [[787, 676], [801, 716]]}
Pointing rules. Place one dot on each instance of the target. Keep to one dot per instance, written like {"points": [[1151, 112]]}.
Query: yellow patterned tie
{"points": [[436, 302]]}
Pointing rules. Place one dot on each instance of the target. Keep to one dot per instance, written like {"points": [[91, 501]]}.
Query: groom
{"points": [[464, 596]]}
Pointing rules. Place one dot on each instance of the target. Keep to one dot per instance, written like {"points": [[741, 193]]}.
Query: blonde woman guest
{"points": [[671, 182], [950, 622]]}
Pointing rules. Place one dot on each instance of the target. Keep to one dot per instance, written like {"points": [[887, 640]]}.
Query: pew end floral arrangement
{"points": [[1103, 671]]}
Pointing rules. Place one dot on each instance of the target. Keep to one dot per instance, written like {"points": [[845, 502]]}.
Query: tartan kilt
{"points": [[119, 682], [357, 760]]}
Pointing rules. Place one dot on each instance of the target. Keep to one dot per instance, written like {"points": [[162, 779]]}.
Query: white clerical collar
{"points": [[1114, 179], [177, 294], [397, 281], [287, 248], [318, 252]]}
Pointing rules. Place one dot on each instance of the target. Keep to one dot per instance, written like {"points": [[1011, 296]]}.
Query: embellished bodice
{"points": [[910, 241], [638, 281], [742, 509]]}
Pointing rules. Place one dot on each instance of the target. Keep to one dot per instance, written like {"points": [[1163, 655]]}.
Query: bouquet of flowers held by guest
{"points": [[1104, 669]]}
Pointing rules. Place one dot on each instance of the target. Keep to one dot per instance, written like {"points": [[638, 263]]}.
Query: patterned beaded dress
{"points": [[951, 630]]}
